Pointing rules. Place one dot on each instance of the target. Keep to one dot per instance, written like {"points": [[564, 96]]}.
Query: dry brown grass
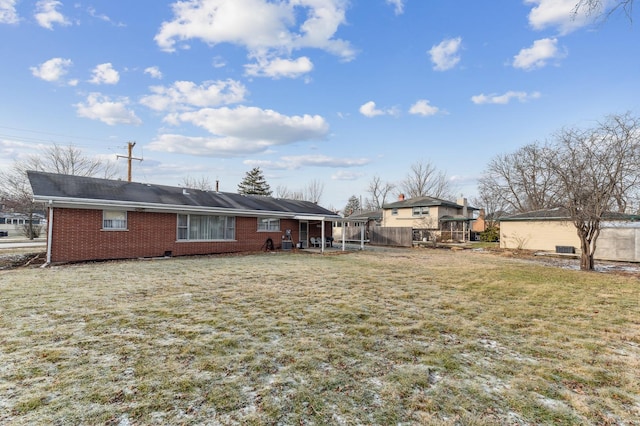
{"points": [[407, 337]]}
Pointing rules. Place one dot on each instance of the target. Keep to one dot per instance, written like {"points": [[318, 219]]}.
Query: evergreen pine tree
{"points": [[254, 183], [353, 206]]}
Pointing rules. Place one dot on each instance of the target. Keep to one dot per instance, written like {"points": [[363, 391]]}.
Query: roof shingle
{"points": [[78, 188]]}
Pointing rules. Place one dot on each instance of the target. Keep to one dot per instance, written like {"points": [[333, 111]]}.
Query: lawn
{"points": [[405, 337]]}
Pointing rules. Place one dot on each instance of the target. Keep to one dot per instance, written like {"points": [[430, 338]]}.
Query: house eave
{"points": [[83, 203], [533, 219]]}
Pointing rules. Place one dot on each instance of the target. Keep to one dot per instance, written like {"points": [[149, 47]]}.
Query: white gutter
{"points": [[49, 234], [320, 218]]}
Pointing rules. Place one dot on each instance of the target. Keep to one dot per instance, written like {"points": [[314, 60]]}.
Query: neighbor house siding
{"points": [[620, 242], [78, 235], [538, 235], [405, 218]]}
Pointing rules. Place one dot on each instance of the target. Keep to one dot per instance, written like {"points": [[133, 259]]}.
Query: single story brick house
{"points": [[99, 219], [552, 230]]}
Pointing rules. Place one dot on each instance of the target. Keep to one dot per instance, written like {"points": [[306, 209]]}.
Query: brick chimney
{"points": [[401, 197]]}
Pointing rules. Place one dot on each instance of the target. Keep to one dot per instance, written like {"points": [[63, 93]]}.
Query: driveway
{"points": [[6, 243]]}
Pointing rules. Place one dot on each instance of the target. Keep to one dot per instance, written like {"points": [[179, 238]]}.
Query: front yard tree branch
{"points": [[604, 7]]}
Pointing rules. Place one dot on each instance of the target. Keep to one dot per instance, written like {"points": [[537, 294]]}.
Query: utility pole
{"points": [[129, 157]]}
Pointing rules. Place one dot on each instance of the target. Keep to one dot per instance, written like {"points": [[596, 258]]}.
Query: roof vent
{"points": [[184, 191]]}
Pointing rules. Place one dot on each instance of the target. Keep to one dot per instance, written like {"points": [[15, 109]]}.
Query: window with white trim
{"points": [[420, 211], [266, 224], [394, 212], [194, 227], [114, 220]]}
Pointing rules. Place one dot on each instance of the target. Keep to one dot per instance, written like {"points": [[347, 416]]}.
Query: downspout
{"points": [[49, 234]]}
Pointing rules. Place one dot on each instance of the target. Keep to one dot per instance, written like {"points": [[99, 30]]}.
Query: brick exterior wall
{"points": [[77, 236]]}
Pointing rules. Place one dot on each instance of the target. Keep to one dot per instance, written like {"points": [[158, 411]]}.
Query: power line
{"points": [[58, 135]]}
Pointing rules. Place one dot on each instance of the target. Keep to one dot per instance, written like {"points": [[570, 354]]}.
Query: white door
{"points": [[304, 234]]}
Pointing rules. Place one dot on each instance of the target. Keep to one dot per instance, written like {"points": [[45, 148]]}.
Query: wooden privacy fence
{"points": [[391, 236]]}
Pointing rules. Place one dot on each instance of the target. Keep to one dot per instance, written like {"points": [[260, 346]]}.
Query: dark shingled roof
{"points": [[79, 188], [366, 215], [424, 202]]}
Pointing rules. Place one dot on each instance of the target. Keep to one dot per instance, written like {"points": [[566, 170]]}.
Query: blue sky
{"points": [[334, 91]]}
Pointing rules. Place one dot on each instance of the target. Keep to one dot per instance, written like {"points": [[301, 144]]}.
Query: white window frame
{"points": [[113, 223], [394, 212], [184, 225], [420, 211], [268, 224]]}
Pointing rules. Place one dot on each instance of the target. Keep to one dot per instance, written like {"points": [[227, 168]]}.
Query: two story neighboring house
{"points": [[430, 217]]}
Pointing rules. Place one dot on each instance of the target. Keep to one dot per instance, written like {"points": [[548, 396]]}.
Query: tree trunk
{"points": [[586, 259], [31, 224]]}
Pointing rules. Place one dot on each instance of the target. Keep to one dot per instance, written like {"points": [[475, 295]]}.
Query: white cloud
{"points": [[561, 14], [537, 55], [185, 94], [398, 6], [445, 54], [344, 175], [100, 107], [154, 72], [268, 30], [295, 162], [47, 14], [8, 13], [504, 98], [240, 131], [278, 67], [369, 110], [104, 74], [101, 16], [52, 70], [422, 107], [219, 62]]}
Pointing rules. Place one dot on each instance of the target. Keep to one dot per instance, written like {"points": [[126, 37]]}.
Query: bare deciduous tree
{"points": [[593, 168], [493, 205], [311, 192], [424, 179], [604, 7], [378, 192], [69, 160], [520, 181], [15, 190], [203, 183], [590, 172], [282, 192]]}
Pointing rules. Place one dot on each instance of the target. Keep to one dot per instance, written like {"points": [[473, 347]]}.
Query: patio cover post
{"points": [[323, 239]]}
